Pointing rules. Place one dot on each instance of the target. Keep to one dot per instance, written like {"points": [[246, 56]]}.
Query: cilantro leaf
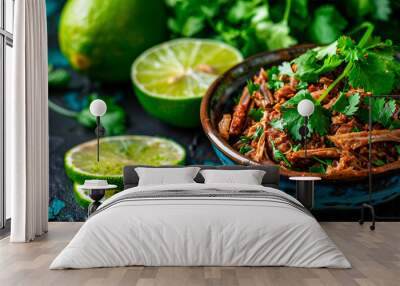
{"points": [[113, 121], [382, 10], [327, 24], [326, 162], [278, 124], [245, 139], [347, 106], [273, 81], [244, 149], [296, 147], [278, 155], [307, 66], [373, 74], [329, 50], [378, 162], [382, 110], [340, 103], [252, 87], [293, 121], [317, 169], [352, 108], [275, 35], [286, 68], [299, 96], [302, 85], [256, 114], [258, 133], [320, 120]]}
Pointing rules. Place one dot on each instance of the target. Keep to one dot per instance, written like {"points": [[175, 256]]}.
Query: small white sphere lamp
{"points": [[305, 108], [98, 108]]}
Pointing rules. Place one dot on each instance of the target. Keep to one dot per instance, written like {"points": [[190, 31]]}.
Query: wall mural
{"points": [[112, 50]]}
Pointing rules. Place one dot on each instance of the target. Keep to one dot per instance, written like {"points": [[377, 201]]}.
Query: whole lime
{"points": [[101, 38]]}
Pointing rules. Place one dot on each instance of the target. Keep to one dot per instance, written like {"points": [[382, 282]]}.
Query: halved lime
{"points": [[116, 153], [171, 78]]}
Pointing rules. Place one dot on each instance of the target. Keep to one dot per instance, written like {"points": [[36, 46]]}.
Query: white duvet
{"points": [[200, 231]]}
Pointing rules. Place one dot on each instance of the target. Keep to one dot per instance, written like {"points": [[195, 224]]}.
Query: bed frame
{"points": [[271, 177]]}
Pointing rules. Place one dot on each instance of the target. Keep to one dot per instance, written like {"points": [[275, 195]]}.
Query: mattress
{"points": [[201, 225]]}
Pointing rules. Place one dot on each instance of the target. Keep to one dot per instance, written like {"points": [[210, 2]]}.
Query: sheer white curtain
{"points": [[27, 124]]}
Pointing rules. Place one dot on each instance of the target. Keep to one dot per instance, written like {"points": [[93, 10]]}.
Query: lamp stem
{"points": [[98, 137], [305, 136]]}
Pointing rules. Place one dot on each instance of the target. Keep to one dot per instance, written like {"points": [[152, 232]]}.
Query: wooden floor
{"points": [[375, 257]]}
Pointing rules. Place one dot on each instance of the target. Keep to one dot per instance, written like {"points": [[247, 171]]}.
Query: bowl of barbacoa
{"points": [[250, 113]]}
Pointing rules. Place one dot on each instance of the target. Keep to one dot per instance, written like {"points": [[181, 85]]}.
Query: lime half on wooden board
{"points": [[116, 153], [171, 78]]}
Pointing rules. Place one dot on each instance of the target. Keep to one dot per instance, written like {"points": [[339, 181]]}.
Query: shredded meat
{"points": [[223, 126], [352, 141], [343, 152], [240, 114], [322, 153]]}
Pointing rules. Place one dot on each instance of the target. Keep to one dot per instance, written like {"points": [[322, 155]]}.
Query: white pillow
{"points": [[166, 176], [248, 177]]}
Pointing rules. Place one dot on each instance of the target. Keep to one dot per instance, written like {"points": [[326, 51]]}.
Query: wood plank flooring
{"points": [[375, 257]]}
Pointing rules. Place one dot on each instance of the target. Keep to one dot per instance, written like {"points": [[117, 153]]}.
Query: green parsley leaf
{"points": [[347, 106], [293, 121], [317, 169], [340, 103], [258, 133], [320, 120], [256, 114], [275, 35], [296, 147], [382, 10], [307, 66], [382, 110], [245, 139], [327, 24], [355, 129], [244, 149], [113, 121], [278, 155], [252, 87], [278, 124], [302, 85], [273, 81], [286, 68], [300, 95], [329, 50], [378, 162], [326, 162], [373, 73]]}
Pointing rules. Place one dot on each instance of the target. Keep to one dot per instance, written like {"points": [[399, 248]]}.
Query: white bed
{"points": [[222, 225]]}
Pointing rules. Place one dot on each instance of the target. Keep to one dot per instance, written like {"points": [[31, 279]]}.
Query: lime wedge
{"points": [[116, 153], [171, 78]]}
